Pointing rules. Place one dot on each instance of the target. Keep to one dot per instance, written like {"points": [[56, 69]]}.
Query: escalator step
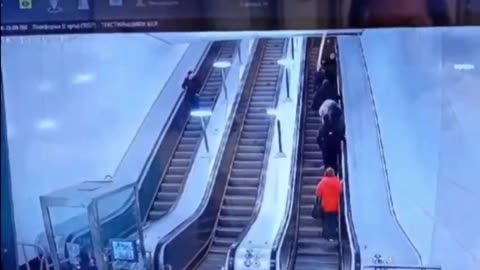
{"points": [[228, 232], [235, 210]]}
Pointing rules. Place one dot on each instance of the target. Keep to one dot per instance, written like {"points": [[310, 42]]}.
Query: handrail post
{"points": [[239, 51], [292, 47]]}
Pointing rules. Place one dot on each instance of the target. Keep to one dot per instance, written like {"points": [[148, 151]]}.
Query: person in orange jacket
{"points": [[329, 191]]}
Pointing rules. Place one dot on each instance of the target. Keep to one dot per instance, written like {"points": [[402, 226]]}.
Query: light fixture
{"points": [[463, 66], [83, 78], [272, 111], [222, 64], [283, 62], [201, 113], [46, 124]]}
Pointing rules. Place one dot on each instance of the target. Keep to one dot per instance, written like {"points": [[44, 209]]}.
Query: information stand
{"points": [[94, 225]]}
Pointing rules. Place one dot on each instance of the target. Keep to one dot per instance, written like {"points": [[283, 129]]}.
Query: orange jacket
{"points": [[329, 191]]}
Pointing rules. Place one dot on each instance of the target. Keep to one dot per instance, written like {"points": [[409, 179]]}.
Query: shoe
{"points": [[331, 240]]}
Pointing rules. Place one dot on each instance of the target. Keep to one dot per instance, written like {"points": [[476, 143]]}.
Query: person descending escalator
{"points": [[329, 191], [326, 91], [331, 133], [191, 86], [318, 79]]}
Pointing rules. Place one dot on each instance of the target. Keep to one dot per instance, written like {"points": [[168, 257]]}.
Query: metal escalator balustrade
{"points": [[181, 160], [313, 251], [242, 189]]}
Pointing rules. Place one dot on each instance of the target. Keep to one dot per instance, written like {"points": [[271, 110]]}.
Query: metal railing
{"points": [[402, 267], [42, 256]]}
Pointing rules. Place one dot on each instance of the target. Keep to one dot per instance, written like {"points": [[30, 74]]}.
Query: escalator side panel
{"points": [[193, 241]]}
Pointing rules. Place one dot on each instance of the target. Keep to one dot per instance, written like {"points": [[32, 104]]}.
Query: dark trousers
{"points": [[330, 224], [330, 152], [193, 101]]}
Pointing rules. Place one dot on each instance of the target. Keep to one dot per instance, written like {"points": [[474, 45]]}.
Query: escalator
{"points": [[181, 159], [313, 251], [300, 244], [249, 157]]}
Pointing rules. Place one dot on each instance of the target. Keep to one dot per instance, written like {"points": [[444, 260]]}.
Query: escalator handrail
{"points": [[152, 154], [163, 243], [215, 103], [281, 234], [261, 188], [355, 258], [157, 143], [383, 158]]}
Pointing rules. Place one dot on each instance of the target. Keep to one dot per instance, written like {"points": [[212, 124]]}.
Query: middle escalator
{"points": [[249, 157]]}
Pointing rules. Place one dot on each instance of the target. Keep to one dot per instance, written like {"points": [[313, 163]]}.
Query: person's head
{"points": [[329, 172], [332, 56], [190, 74]]}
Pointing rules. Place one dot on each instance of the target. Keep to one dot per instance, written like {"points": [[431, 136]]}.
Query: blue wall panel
{"points": [[9, 256]]}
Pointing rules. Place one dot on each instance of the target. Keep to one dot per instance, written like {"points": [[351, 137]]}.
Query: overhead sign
{"points": [[30, 17]]}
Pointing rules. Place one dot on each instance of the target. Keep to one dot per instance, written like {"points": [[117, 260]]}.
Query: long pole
{"points": [[320, 52], [205, 138], [279, 128], [224, 84], [287, 78], [292, 48], [240, 54]]}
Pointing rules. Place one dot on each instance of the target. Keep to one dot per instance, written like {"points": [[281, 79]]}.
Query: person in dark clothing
{"points": [[192, 88], [331, 133], [326, 91], [318, 79], [330, 148], [330, 67]]}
